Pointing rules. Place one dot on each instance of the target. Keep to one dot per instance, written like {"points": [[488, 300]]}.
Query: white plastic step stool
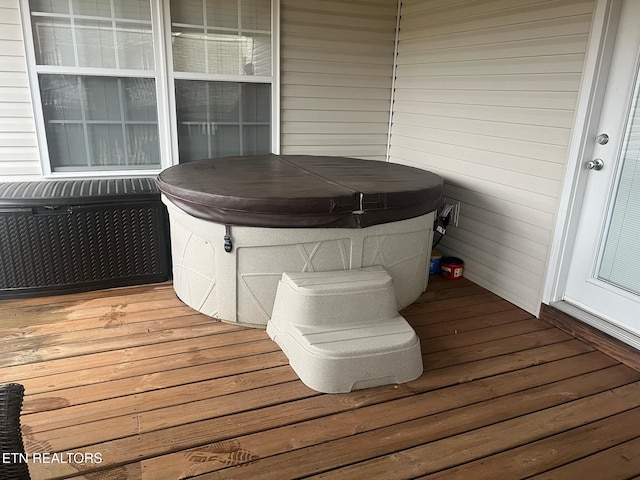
{"points": [[341, 330]]}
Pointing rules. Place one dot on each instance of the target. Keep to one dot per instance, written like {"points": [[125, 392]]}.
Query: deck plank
{"points": [[33, 351], [458, 312], [398, 413], [118, 319], [464, 325], [493, 348], [616, 463], [384, 443], [553, 451], [483, 335], [162, 392], [446, 304], [33, 366], [155, 367], [152, 391], [44, 341], [86, 299], [454, 450]]}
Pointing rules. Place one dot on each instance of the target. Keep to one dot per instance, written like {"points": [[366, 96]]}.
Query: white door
{"points": [[604, 276]]}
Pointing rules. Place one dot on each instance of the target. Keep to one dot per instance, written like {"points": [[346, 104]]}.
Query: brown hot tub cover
{"points": [[296, 191]]}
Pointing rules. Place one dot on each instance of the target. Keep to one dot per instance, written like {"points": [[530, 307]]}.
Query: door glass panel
{"points": [[620, 254]]}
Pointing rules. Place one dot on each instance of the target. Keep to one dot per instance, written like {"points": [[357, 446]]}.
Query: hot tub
{"points": [[238, 223]]}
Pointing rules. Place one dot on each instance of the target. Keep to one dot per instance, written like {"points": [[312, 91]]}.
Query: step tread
{"points": [[338, 282]]}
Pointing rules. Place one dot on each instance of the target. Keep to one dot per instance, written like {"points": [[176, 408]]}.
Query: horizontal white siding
{"points": [[485, 96], [19, 158], [336, 74]]}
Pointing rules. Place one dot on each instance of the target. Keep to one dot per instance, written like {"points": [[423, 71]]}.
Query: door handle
{"points": [[595, 164]]}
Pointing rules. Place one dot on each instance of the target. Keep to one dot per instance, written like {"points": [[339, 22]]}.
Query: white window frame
{"points": [[165, 90]]}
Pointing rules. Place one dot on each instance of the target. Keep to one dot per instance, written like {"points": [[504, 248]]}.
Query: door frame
{"points": [[595, 74]]}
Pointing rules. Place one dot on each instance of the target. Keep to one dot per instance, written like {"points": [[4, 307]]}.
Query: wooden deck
{"points": [[157, 392]]}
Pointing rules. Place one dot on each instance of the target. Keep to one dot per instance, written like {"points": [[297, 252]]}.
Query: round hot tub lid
{"points": [[297, 191]]}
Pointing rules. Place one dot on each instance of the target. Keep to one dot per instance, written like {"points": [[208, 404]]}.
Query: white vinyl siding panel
{"points": [[336, 74], [19, 158], [485, 97]]}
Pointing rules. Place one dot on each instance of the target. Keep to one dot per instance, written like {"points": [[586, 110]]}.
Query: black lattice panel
{"points": [[82, 246]]}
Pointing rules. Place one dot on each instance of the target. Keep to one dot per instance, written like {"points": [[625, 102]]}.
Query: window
{"points": [[138, 85]]}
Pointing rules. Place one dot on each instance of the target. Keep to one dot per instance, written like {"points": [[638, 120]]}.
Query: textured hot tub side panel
{"points": [[240, 286], [194, 286]]}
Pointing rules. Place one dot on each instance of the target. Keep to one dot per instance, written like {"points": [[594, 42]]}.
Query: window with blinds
{"points": [[138, 85]]}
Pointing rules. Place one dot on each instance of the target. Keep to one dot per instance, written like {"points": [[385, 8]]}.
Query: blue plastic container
{"points": [[435, 263]]}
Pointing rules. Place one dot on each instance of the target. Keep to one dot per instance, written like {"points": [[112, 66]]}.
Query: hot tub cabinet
{"points": [[238, 223], [240, 286]]}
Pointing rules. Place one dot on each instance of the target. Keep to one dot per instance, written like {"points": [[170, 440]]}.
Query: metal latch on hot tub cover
{"points": [[228, 246], [360, 210]]}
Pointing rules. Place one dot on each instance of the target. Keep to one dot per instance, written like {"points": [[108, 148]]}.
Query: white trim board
{"points": [[625, 336], [601, 42]]}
